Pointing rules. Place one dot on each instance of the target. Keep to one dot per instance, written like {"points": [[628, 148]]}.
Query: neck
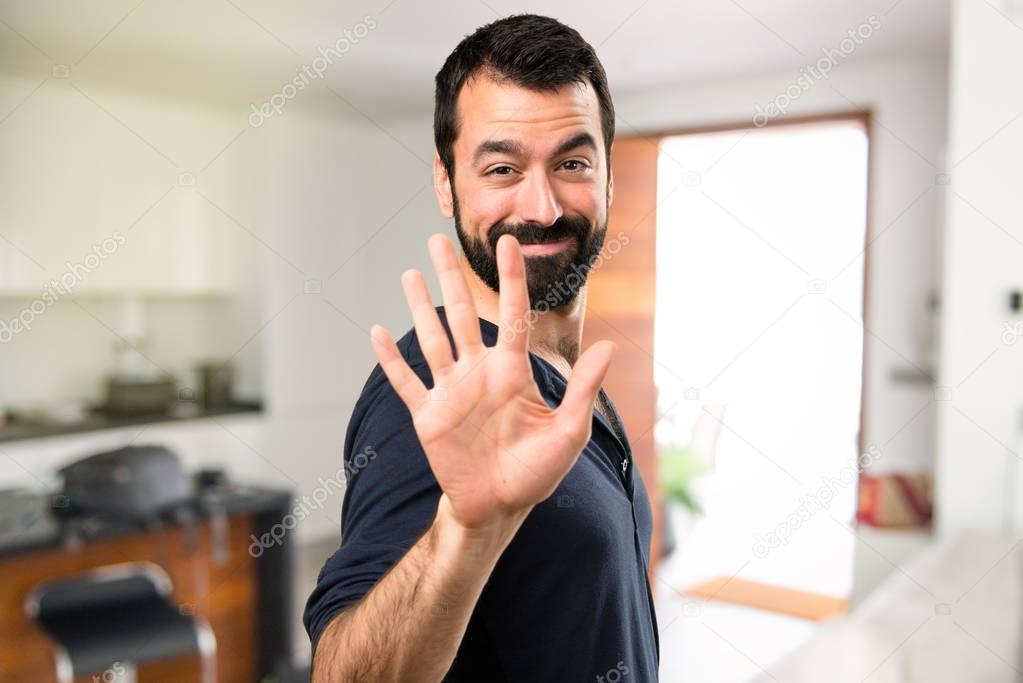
{"points": [[555, 335]]}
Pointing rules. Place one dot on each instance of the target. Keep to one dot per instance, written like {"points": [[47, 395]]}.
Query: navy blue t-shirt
{"points": [[569, 600]]}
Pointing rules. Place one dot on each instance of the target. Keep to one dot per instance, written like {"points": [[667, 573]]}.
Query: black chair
{"points": [[115, 617]]}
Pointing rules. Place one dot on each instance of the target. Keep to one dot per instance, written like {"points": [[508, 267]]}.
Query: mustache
{"points": [[536, 233]]}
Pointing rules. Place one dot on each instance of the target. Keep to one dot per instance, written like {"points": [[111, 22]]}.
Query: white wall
{"points": [[357, 215], [979, 429], [73, 178], [322, 211]]}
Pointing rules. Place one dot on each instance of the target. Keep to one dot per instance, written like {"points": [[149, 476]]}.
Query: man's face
{"points": [[533, 165]]}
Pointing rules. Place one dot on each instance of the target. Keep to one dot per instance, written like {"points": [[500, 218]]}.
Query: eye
{"points": [[579, 165], [494, 171]]}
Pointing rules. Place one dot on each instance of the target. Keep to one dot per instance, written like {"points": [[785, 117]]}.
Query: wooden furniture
{"points": [[243, 593]]}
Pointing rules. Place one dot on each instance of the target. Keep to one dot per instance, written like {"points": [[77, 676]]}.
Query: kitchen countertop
{"points": [[17, 431], [28, 522]]}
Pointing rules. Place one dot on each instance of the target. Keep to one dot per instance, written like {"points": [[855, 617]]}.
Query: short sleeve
{"points": [[389, 502]]}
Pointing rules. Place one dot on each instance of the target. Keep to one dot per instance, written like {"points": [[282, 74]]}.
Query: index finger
{"points": [[514, 294]]}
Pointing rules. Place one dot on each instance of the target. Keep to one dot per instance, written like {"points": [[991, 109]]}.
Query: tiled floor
{"points": [[949, 614], [720, 643]]}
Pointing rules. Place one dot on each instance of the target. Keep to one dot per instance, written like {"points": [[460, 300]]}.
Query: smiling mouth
{"points": [[545, 248]]}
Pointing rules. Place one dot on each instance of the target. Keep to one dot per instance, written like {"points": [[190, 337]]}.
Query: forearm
{"points": [[409, 626]]}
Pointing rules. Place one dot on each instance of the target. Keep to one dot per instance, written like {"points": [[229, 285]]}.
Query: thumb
{"points": [[576, 409]]}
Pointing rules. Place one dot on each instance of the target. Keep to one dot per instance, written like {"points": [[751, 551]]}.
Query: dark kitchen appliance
{"points": [[134, 481]]}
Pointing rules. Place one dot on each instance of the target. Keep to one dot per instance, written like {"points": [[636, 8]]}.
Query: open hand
{"points": [[494, 445]]}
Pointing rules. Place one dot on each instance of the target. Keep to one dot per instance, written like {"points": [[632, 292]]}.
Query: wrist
{"points": [[488, 540]]}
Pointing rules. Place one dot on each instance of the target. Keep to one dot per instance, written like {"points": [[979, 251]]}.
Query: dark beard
{"points": [[554, 280]]}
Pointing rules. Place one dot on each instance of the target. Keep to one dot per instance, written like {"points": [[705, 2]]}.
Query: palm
{"points": [[493, 444], [514, 455]]}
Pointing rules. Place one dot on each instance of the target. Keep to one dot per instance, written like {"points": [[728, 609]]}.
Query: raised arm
{"points": [[496, 449]]}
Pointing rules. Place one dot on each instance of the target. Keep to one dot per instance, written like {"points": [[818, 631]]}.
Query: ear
{"points": [[610, 186], [442, 187]]}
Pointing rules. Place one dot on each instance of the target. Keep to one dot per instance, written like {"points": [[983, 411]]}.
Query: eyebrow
{"points": [[582, 139]]}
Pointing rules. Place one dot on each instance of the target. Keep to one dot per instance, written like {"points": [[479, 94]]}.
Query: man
{"points": [[497, 529]]}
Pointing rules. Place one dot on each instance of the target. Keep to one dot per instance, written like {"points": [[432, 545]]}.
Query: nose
{"points": [[537, 202]]}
